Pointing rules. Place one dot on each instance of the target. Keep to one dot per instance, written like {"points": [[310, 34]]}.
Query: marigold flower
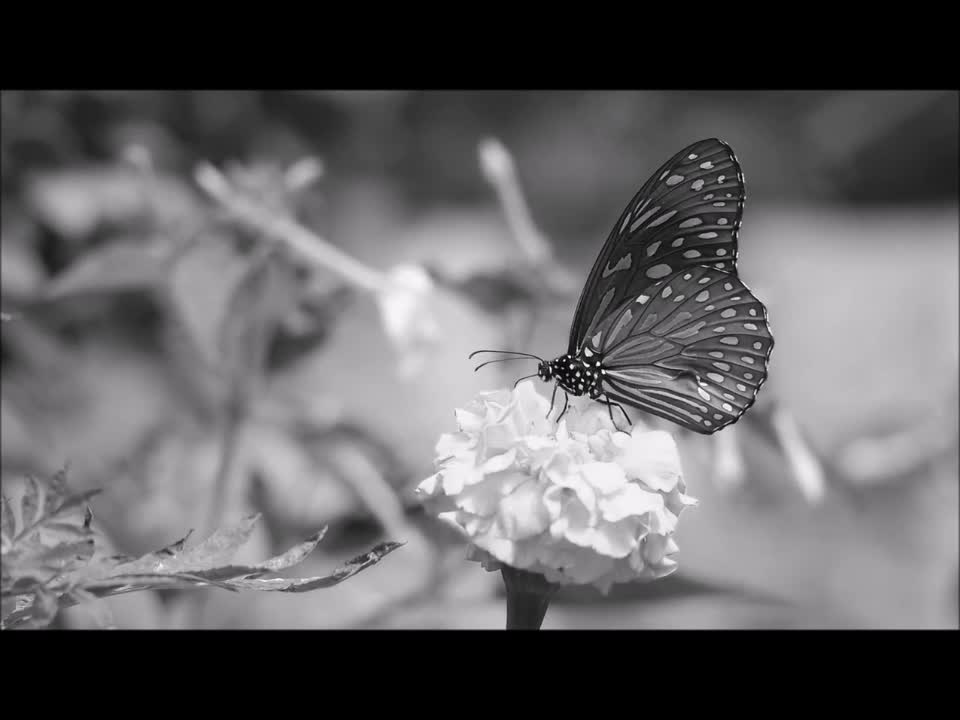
{"points": [[578, 501]]}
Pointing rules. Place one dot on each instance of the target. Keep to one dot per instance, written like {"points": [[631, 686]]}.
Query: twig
{"points": [[305, 242], [500, 171]]}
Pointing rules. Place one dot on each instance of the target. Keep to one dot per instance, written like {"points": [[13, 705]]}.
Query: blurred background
{"points": [[157, 343]]}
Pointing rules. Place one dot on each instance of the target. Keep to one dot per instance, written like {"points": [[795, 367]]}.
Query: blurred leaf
{"points": [[76, 202], [260, 300], [308, 327], [21, 272], [118, 266], [201, 286]]}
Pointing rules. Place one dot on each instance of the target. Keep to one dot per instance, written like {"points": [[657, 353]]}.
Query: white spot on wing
{"points": [[706, 165], [622, 264], [716, 377], [707, 235], [730, 340], [750, 326], [674, 179], [728, 313], [677, 243], [667, 291], [703, 393], [690, 254], [697, 185], [659, 271], [691, 222], [643, 218], [662, 219], [653, 247]]}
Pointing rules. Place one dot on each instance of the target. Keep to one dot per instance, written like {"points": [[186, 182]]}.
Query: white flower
{"points": [[405, 308], [578, 502]]}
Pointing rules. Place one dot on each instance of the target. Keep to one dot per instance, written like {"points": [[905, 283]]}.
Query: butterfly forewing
{"points": [[692, 348], [687, 214]]}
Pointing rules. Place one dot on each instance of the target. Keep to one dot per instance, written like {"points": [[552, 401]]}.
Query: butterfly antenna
{"points": [[505, 352], [488, 362]]}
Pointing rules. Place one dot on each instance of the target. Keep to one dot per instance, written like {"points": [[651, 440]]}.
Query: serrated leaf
{"points": [[293, 556], [45, 515], [38, 614], [351, 568], [28, 506], [64, 554], [154, 580], [7, 521], [217, 550], [175, 547]]}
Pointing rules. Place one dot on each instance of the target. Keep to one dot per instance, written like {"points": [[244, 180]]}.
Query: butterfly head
{"points": [[545, 370]]}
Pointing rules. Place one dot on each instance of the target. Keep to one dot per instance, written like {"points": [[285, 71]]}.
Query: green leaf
{"points": [[351, 568]]}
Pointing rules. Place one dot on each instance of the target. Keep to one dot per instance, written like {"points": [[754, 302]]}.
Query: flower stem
{"points": [[528, 597]]}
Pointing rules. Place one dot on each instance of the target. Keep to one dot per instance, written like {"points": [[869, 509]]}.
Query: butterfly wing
{"points": [[692, 348], [687, 214]]}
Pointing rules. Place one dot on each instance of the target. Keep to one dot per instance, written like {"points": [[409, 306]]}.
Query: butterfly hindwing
{"points": [[692, 348], [687, 214]]}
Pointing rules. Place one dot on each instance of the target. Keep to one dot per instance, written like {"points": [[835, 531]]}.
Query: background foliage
{"points": [[199, 371]]}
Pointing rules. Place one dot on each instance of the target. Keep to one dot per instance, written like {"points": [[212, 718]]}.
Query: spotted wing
{"points": [[692, 348], [687, 214]]}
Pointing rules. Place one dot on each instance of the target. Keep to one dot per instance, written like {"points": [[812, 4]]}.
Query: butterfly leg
{"points": [[566, 402], [552, 399], [610, 405]]}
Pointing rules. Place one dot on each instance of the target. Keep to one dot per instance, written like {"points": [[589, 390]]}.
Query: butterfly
{"points": [[664, 324]]}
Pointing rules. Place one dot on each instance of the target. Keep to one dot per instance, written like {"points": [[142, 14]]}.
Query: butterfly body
{"points": [[664, 323], [575, 374]]}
